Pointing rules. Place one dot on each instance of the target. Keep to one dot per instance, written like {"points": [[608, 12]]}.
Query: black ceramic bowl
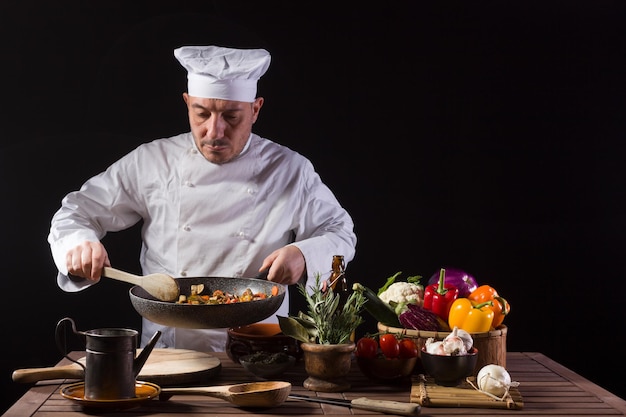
{"points": [[449, 371]]}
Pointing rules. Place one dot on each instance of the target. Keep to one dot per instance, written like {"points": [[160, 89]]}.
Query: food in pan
{"points": [[222, 297]]}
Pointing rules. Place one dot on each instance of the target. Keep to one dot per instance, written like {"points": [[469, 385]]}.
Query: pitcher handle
{"points": [[62, 343]]}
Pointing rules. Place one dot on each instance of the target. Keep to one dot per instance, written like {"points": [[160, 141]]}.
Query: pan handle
{"points": [[263, 274]]}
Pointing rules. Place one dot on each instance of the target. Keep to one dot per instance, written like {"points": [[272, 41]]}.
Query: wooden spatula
{"points": [[161, 286]]}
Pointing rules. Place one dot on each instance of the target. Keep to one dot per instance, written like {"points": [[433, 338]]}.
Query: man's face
{"points": [[220, 127]]}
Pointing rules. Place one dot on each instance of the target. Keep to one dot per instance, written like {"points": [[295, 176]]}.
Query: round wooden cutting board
{"points": [[163, 367], [179, 366]]}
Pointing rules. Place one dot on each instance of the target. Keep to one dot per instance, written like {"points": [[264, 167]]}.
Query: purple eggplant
{"points": [[460, 279], [418, 318]]}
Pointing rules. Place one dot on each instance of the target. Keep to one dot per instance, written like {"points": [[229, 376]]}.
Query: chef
{"points": [[218, 200]]}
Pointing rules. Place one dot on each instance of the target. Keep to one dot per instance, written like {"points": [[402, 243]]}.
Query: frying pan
{"points": [[210, 316]]}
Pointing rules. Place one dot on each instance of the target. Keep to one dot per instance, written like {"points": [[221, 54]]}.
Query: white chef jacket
{"points": [[204, 219]]}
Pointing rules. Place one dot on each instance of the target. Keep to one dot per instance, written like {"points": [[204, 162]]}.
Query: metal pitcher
{"points": [[111, 367]]}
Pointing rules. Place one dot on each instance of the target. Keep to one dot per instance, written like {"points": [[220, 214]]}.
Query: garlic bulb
{"points": [[456, 343], [467, 338], [434, 347]]}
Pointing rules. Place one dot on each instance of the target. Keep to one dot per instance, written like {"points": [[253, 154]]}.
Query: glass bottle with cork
{"points": [[338, 282]]}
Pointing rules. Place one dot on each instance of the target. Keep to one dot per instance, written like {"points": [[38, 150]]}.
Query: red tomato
{"points": [[366, 347], [389, 345], [408, 348]]}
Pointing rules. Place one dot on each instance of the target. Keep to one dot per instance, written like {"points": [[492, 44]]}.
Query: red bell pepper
{"points": [[439, 297]]}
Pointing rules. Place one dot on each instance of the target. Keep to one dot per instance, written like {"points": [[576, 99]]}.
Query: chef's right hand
{"points": [[87, 260], [285, 265]]}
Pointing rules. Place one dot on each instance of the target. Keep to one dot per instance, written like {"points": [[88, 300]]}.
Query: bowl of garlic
{"points": [[451, 360]]}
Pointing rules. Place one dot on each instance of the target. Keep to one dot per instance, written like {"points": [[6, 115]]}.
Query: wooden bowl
{"points": [[387, 369]]}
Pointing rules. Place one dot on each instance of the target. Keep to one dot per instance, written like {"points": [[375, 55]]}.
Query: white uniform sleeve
{"points": [[326, 228], [86, 215]]}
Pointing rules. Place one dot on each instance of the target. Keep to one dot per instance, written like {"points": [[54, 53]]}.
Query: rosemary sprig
{"points": [[324, 322]]}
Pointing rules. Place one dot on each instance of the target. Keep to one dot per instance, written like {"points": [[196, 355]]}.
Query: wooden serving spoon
{"points": [[274, 393], [252, 394], [161, 286]]}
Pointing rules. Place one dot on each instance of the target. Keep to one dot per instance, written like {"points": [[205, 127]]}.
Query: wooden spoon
{"points": [[161, 286], [252, 394]]}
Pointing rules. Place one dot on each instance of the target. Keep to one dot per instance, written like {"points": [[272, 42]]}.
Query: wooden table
{"points": [[547, 388]]}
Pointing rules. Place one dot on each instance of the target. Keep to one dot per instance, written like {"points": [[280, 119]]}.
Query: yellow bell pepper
{"points": [[471, 316], [501, 307]]}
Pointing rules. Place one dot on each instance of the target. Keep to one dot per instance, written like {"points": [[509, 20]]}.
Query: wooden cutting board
{"points": [[164, 367]]}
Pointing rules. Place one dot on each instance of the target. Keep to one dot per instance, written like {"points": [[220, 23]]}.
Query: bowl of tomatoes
{"points": [[386, 356]]}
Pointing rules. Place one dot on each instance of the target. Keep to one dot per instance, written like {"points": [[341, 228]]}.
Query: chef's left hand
{"points": [[286, 265]]}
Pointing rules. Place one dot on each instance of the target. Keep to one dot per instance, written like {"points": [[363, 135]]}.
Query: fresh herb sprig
{"points": [[324, 322]]}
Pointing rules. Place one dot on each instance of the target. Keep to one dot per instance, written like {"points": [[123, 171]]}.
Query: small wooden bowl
{"points": [[386, 369]]}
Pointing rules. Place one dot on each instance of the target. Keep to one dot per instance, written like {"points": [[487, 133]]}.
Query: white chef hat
{"points": [[224, 73]]}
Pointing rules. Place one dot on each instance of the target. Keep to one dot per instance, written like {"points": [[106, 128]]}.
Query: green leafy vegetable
{"points": [[415, 279]]}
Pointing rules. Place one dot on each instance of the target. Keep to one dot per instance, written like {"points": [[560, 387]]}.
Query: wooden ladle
{"points": [[161, 286], [252, 394]]}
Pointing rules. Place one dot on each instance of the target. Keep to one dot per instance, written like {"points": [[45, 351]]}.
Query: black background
{"points": [[482, 135]]}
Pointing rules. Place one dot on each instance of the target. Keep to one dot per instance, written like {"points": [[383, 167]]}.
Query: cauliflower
{"points": [[399, 294]]}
